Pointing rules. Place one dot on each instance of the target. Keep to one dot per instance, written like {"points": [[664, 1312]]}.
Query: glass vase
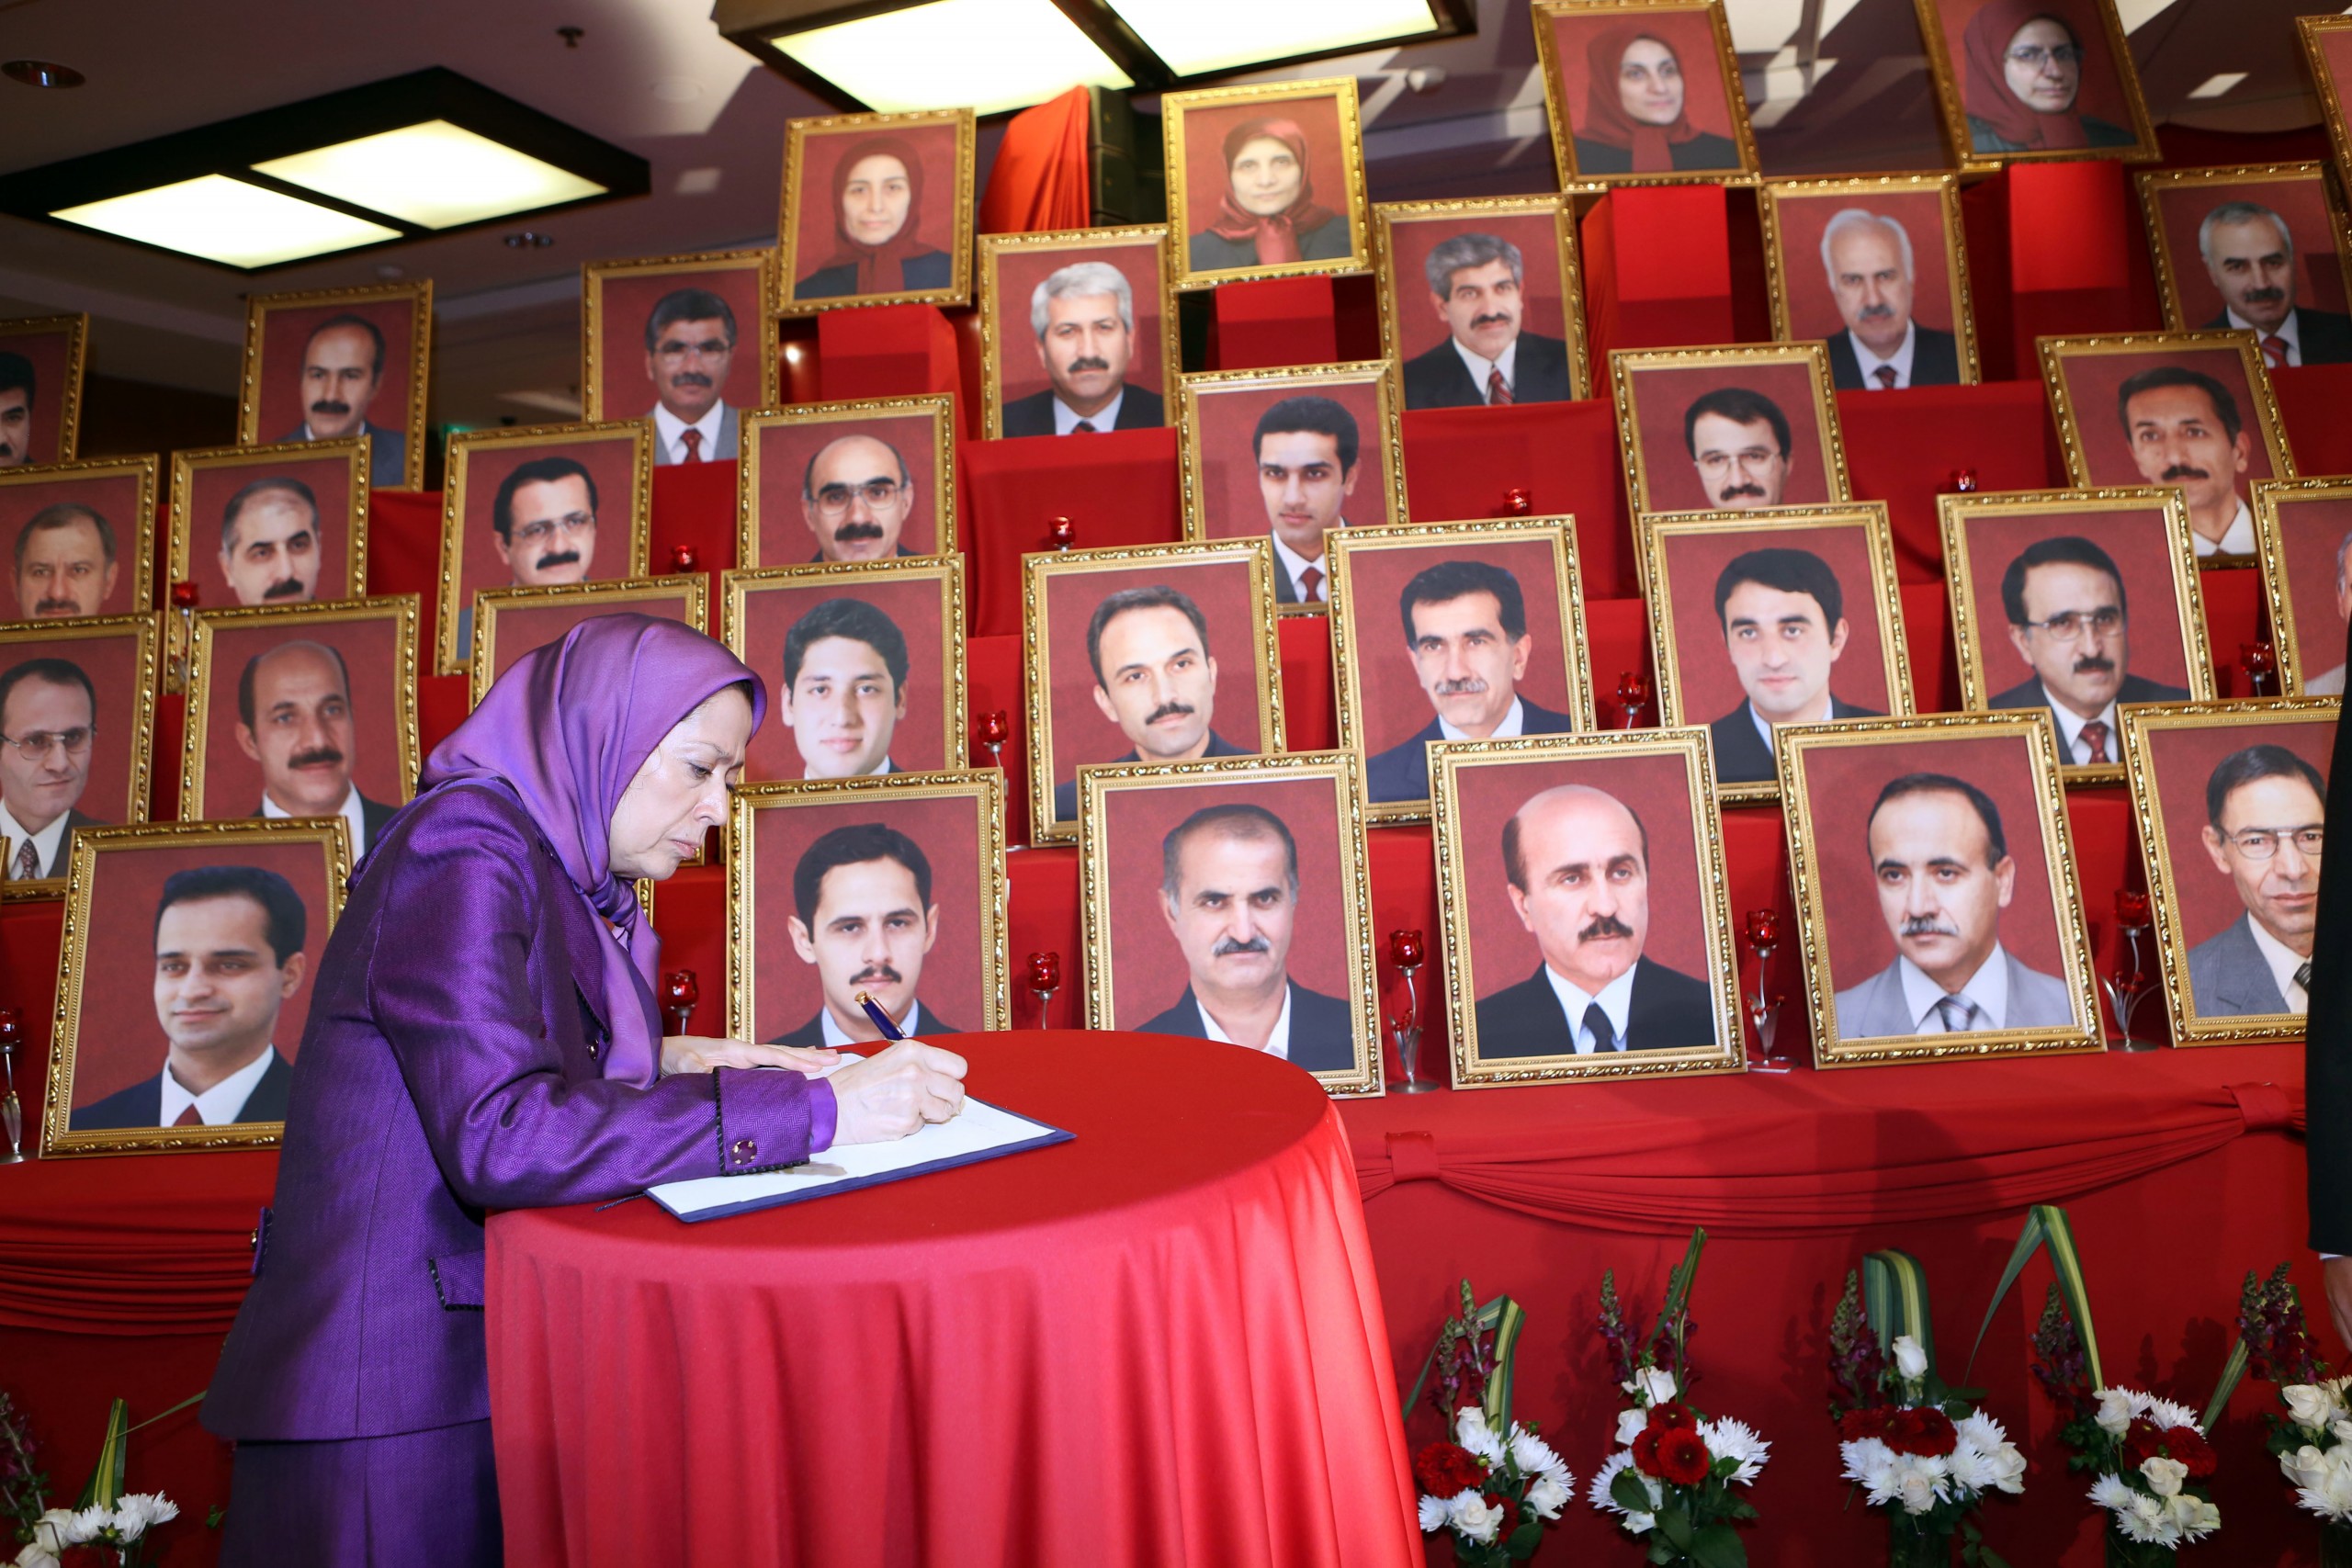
{"points": [[1912, 1541]]}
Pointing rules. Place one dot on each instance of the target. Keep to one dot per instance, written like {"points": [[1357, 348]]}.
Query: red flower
{"points": [[1670, 1414], [1925, 1431], [1646, 1449], [1444, 1470], [1682, 1457], [2191, 1450], [1509, 1505], [1871, 1422]]}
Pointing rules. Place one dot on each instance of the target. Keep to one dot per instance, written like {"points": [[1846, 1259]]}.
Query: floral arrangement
{"points": [[2314, 1438], [1922, 1450], [107, 1529], [1496, 1483], [1671, 1481]]}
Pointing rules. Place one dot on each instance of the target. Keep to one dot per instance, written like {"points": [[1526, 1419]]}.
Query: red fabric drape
{"points": [[1038, 181]]}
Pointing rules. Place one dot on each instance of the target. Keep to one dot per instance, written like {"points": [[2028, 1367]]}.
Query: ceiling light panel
{"points": [[1196, 36], [434, 175], [988, 54], [227, 220]]}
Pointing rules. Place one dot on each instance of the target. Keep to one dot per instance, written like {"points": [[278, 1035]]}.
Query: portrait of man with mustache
{"points": [[1739, 442], [65, 562], [545, 516], [1873, 277], [294, 717], [1155, 679], [689, 349], [862, 913], [49, 721], [270, 542], [2069, 618], [2249, 253], [855, 496], [2185, 428], [1489, 359], [16, 411], [1084, 317], [343, 369]]}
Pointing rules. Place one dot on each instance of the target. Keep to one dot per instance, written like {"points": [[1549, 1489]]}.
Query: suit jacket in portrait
{"points": [[1741, 756], [917, 274], [374, 817], [724, 447], [1704, 151], [142, 1105], [1935, 360], [1671, 1010], [1140, 407], [2327, 1031], [812, 1033], [2322, 337], [1066, 794], [1402, 773], [387, 453], [2029, 694], [1322, 1033], [1437, 378], [2229, 976], [1877, 1007], [1209, 251], [63, 857]]}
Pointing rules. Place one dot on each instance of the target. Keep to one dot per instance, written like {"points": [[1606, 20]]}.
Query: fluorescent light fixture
{"points": [[1196, 36], [987, 54], [2137, 14], [433, 175], [2215, 85], [228, 221]]}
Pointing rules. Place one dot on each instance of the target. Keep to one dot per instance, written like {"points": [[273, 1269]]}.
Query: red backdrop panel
{"points": [[1813, 305], [1316, 114], [112, 661], [1231, 504], [810, 205], [609, 462], [371, 650], [1018, 274], [286, 332], [1420, 327], [114, 497], [1661, 397], [2184, 761], [521, 627], [50, 355], [2310, 533], [2143, 551], [785, 451], [627, 307], [2094, 381], [1689, 33], [2319, 270], [210, 488], [919, 743], [1705, 681], [2101, 94]]}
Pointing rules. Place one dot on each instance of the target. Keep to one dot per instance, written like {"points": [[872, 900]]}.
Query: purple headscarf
{"points": [[567, 728]]}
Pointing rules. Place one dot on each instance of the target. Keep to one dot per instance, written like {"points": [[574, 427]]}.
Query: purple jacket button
{"points": [[744, 1151]]}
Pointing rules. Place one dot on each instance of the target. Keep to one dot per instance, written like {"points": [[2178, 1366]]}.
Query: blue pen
{"points": [[881, 1020]]}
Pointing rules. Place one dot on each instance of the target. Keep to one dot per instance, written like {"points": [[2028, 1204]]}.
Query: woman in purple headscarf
{"points": [[485, 1036]]}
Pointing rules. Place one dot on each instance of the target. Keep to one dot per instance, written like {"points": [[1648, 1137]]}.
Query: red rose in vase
{"points": [[1446, 1469], [1682, 1457]]}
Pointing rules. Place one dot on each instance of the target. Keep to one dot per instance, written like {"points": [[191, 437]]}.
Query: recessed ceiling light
{"points": [[42, 73], [528, 240], [1195, 36], [984, 54], [436, 174], [228, 221]]}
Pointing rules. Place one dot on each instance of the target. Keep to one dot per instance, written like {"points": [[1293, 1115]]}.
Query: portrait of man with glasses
{"points": [[2070, 620], [546, 519], [49, 718], [2263, 811], [689, 349], [857, 495]]}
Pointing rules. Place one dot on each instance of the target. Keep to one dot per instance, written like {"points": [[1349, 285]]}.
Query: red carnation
{"points": [[1445, 1469], [2191, 1450], [1509, 1505], [1682, 1457], [1871, 1422], [1645, 1443], [1926, 1432], [1669, 1414]]}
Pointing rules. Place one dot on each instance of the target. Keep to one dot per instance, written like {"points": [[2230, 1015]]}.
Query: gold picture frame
{"points": [[1003, 329], [1353, 640], [1806, 750], [1951, 111], [798, 133], [2316, 33], [1177, 112], [75, 329], [134, 541], [1778, 202], [418, 359], [146, 639], [185, 466], [2272, 498], [938, 408], [608, 597], [750, 329], [1548, 13], [1390, 220], [1343, 772], [2157, 185], [59, 1140]]}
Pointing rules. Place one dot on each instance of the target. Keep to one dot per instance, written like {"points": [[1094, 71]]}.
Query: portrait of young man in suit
{"points": [[2069, 619], [1155, 678], [1305, 449], [228, 958], [343, 369], [1084, 317], [1477, 285], [1578, 861], [2185, 429], [845, 670], [1466, 629], [16, 411], [49, 721], [862, 913], [689, 349], [2329, 683], [294, 717], [855, 496], [1944, 874], [1874, 278], [1229, 889], [2264, 829], [270, 542], [65, 562], [1783, 616], [1739, 442], [2249, 253]]}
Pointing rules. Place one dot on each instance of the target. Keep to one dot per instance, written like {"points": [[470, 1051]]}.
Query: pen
{"points": [[881, 1020]]}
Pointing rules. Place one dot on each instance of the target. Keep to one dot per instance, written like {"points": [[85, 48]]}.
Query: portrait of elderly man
{"points": [[2263, 830], [1784, 616], [855, 496], [1944, 874], [1477, 285], [1739, 444], [2185, 428], [689, 349], [1229, 889], [1577, 862], [2329, 683], [49, 722], [1305, 449], [863, 916], [1465, 630], [1874, 277], [270, 542], [65, 562], [2069, 618], [1155, 679], [294, 717], [844, 688], [228, 958], [1084, 319], [343, 369], [16, 387], [2249, 253]]}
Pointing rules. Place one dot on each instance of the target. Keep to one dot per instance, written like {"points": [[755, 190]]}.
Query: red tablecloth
{"points": [[1160, 1343]]}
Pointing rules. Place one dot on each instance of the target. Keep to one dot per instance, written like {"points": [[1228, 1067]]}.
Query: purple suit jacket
{"points": [[452, 1067]]}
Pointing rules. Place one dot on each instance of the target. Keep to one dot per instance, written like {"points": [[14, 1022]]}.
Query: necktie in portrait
{"points": [[1596, 1024], [1310, 586], [1083, 427], [1498, 390], [1959, 1014], [2095, 741], [28, 863], [2274, 352], [187, 1117], [691, 439], [1885, 373]]}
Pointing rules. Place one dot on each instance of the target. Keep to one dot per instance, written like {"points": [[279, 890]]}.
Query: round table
{"points": [[1159, 1343]]}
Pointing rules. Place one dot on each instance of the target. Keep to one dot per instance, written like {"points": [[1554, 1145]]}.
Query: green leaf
{"points": [[1629, 1492], [1719, 1546], [1894, 1297], [1526, 1540], [2231, 1371], [1674, 1525], [2046, 1225], [1661, 1552]]}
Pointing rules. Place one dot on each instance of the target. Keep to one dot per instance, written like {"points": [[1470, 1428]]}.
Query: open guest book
{"points": [[982, 1132]]}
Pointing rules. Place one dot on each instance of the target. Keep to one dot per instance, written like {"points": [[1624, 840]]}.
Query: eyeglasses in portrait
{"points": [[279, 525], [878, 210], [77, 721], [81, 537], [2019, 81], [331, 365], [1643, 91], [2304, 527], [659, 341], [1478, 301], [41, 359], [1077, 336], [870, 479], [1874, 268], [2262, 249], [510, 622], [1266, 181]]}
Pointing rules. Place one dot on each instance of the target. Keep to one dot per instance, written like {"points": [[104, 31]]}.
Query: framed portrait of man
{"points": [[333, 364], [2304, 527], [1478, 301], [877, 211], [1873, 267], [1759, 619], [1727, 429], [1228, 900], [303, 710], [190, 957], [1149, 653], [1075, 331], [285, 523], [1287, 455], [893, 888], [510, 622], [659, 341], [1587, 924], [538, 506], [77, 732], [864, 663], [1264, 181], [2327, 52], [2186, 408], [1453, 631], [41, 359], [2260, 249], [81, 537], [2232, 798], [868, 479], [1643, 91], [1933, 875], [2072, 602], [2024, 81]]}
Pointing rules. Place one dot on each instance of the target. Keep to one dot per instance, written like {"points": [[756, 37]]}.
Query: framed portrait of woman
{"points": [[1075, 331], [877, 211], [872, 479], [2263, 247], [82, 536], [1874, 267], [1643, 91], [1266, 181], [40, 387], [331, 364], [2019, 81], [664, 339], [77, 711], [2304, 527], [1478, 301]]}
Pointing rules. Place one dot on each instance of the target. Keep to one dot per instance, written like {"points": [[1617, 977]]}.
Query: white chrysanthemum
{"points": [[1910, 1360], [1862, 1456], [2164, 1412], [1472, 1517], [1727, 1438], [1531, 1452], [2163, 1475], [1597, 1493], [1630, 1424], [1432, 1511], [2112, 1493], [1980, 1432], [1470, 1430], [136, 1512], [2148, 1519], [1971, 1467], [1550, 1492], [87, 1525], [2116, 1408]]}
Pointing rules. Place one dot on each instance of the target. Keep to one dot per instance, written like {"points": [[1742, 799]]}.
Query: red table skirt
{"points": [[1160, 1343]]}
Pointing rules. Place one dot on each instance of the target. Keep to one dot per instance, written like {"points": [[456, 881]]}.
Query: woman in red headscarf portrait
{"points": [[1650, 96], [1267, 212], [883, 236], [2021, 67]]}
